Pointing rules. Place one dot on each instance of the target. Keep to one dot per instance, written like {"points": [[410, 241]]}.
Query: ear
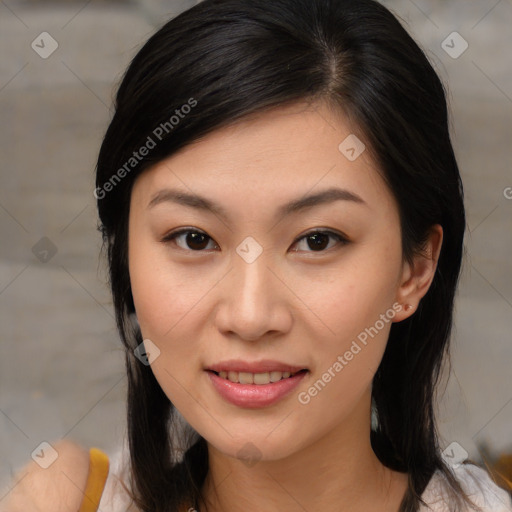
{"points": [[417, 277]]}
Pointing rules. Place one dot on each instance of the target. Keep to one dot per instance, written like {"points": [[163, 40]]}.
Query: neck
{"points": [[337, 472]]}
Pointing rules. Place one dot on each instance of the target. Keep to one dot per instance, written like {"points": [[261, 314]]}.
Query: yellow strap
{"points": [[96, 479]]}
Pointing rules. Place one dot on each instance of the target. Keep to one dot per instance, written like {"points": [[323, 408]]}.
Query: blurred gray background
{"points": [[61, 364]]}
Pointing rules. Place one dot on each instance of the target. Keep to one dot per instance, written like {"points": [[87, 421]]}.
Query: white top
{"points": [[478, 486], [475, 481]]}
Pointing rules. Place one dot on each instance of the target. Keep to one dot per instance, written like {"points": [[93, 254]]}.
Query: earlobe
{"points": [[418, 275]]}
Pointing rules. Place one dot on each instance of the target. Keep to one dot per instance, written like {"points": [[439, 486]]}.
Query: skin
{"points": [[302, 306], [57, 488]]}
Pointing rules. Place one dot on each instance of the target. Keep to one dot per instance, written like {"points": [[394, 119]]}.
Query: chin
{"points": [[254, 445]]}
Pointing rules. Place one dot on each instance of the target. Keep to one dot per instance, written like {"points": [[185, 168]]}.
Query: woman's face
{"points": [[251, 289]]}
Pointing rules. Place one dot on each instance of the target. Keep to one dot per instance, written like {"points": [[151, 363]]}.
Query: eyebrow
{"points": [[202, 203]]}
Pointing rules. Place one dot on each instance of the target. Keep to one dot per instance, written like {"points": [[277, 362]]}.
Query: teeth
{"points": [[245, 378], [261, 378], [254, 378]]}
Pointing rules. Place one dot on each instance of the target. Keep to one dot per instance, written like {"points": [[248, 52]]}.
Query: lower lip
{"points": [[253, 396]]}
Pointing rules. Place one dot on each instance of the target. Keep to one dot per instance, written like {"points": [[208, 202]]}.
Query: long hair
{"points": [[225, 59]]}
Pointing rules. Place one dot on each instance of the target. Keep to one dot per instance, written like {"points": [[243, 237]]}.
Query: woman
{"points": [[284, 220]]}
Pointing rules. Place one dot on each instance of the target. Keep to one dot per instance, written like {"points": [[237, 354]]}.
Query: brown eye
{"points": [[317, 241], [190, 239]]}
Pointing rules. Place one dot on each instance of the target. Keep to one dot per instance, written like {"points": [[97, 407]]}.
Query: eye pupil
{"points": [[195, 238], [318, 243]]}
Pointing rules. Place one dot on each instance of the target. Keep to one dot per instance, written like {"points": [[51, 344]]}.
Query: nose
{"points": [[254, 303]]}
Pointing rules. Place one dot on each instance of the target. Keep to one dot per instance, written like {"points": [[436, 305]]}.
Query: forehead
{"points": [[270, 157]]}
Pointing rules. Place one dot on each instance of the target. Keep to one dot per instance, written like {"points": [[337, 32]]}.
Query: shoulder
{"points": [[476, 483], [482, 490], [58, 488]]}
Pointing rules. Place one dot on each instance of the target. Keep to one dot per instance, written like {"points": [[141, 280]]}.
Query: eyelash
{"points": [[340, 238]]}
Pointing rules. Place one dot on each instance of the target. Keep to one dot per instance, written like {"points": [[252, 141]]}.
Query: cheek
{"points": [[351, 296], [164, 296], [354, 305], [168, 305], [345, 363]]}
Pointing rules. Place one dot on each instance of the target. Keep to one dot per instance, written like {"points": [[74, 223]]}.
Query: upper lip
{"points": [[264, 366]]}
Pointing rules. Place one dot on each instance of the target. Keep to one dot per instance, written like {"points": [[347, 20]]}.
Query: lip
{"points": [[266, 365], [254, 396]]}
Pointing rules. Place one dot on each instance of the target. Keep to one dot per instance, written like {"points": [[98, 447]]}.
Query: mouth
{"points": [[255, 385], [256, 378]]}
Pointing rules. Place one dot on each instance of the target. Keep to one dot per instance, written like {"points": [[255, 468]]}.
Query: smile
{"points": [[254, 390], [255, 378]]}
